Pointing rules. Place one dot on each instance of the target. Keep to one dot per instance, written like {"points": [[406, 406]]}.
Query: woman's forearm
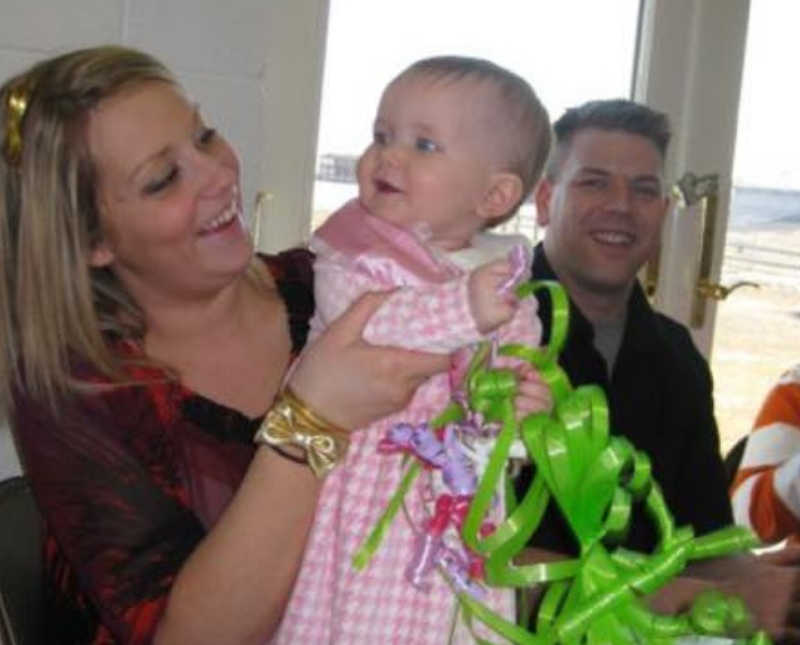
{"points": [[235, 586]]}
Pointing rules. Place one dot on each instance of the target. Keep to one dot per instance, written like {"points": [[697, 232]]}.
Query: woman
{"points": [[143, 343]]}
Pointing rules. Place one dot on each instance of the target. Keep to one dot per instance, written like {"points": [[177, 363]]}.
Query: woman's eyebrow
{"points": [[196, 118]]}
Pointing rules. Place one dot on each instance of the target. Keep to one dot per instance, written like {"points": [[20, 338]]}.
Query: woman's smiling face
{"points": [[167, 193]]}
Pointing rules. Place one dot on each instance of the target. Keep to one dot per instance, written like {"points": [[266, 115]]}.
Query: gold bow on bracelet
{"points": [[290, 422]]}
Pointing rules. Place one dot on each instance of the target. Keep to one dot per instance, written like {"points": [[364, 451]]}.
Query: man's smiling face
{"points": [[603, 209]]}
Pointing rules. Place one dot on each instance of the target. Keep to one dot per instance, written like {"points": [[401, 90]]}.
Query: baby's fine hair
{"points": [[527, 132]]}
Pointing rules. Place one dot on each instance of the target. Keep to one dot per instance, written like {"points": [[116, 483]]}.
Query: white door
{"points": [[696, 76], [690, 66]]}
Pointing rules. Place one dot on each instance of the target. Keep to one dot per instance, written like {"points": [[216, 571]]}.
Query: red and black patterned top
{"points": [[128, 482]]}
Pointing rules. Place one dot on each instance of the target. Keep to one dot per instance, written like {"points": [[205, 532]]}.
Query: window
{"points": [[570, 51], [757, 330]]}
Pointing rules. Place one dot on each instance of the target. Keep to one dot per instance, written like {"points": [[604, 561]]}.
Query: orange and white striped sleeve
{"points": [[766, 490]]}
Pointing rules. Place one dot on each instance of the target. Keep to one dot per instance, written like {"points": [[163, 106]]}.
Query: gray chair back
{"points": [[21, 573]]}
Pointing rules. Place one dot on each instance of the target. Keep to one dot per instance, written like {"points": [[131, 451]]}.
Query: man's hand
{"points": [[768, 585]]}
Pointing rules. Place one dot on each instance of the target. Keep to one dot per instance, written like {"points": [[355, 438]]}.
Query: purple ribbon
{"points": [[519, 257]]}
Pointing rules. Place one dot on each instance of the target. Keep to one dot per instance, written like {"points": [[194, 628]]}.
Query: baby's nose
{"points": [[392, 154]]}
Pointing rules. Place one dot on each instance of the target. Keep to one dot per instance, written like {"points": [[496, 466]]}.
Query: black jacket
{"points": [[660, 398]]}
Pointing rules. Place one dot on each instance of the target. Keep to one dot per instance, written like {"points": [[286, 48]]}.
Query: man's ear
{"points": [[667, 204], [101, 255], [505, 190], [543, 194]]}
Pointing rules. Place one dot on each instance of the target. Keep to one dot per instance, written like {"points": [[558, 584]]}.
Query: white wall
{"points": [[254, 65]]}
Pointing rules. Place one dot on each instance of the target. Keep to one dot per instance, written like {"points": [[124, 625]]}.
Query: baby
{"points": [[458, 145]]}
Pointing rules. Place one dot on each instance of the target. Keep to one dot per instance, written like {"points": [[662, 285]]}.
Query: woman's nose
{"points": [[217, 176]]}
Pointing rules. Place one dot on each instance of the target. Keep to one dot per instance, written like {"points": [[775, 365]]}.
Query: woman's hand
{"points": [[350, 382]]}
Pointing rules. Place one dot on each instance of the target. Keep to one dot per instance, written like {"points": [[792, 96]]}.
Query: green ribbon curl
{"points": [[595, 478]]}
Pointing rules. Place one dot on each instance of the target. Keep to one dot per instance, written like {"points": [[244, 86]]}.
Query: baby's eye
{"points": [[159, 184], [207, 135], [380, 137], [426, 145]]}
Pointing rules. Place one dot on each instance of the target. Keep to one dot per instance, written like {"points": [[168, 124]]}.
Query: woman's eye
{"points": [[426, 145], [162, 182]]}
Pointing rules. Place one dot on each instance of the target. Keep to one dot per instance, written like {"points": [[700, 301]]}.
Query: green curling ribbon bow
{"points": [[595, 478]]}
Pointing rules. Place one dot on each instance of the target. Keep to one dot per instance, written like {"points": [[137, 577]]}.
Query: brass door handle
{"points": [[703, 191], [715, 291]]}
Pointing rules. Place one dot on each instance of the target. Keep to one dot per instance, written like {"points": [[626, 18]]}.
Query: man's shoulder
{"points": [[678, 345], [673, 331]]}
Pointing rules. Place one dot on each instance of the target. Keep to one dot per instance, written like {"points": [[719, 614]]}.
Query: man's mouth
{"points": [[613, 238]]}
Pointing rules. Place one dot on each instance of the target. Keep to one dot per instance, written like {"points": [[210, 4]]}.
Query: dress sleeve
{"points": [[766, 490], [117, 525], [427, 317]]}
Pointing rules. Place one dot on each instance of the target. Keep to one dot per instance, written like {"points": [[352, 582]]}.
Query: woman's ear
{"points": [[101, 255], [504, 192], [102, 251]]}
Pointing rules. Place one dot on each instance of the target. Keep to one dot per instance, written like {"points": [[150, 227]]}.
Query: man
{"points": [[603, 202]]}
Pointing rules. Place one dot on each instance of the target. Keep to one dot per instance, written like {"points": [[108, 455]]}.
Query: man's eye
{"points": [[592, 182], [648, 191], [426, 145], [162, 182]]}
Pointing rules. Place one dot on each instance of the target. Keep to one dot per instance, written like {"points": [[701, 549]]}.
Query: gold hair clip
{"points": [[16, 105]]}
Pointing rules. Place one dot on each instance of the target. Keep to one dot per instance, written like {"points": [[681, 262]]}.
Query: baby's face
{"points": [[431, 161]]}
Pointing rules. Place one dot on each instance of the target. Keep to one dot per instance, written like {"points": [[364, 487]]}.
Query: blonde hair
{"points": [[526, 132], [55, 310]]}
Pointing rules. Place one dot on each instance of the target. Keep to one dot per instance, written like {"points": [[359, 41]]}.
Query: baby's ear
{"points": [[505, 190]]}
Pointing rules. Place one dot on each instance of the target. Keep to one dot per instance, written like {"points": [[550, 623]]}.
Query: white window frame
{"points": [[689, 64]]}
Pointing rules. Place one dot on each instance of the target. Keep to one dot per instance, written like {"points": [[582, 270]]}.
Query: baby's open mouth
{"points": [[385, 187]]}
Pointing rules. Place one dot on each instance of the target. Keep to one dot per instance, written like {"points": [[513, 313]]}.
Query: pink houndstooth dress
{"points": [[332, 602]]}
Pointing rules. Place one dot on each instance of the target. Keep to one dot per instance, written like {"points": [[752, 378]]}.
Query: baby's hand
{"points": [[490, 308], [533, 394]]}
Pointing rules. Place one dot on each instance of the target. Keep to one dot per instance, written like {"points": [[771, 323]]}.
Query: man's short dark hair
{"points": [[614, 115]]}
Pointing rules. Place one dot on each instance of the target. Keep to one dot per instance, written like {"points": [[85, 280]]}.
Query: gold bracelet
{"points": [[291, 422]]}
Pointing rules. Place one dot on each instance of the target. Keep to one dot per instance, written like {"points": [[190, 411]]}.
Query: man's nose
{"points": [[620, 194]]}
